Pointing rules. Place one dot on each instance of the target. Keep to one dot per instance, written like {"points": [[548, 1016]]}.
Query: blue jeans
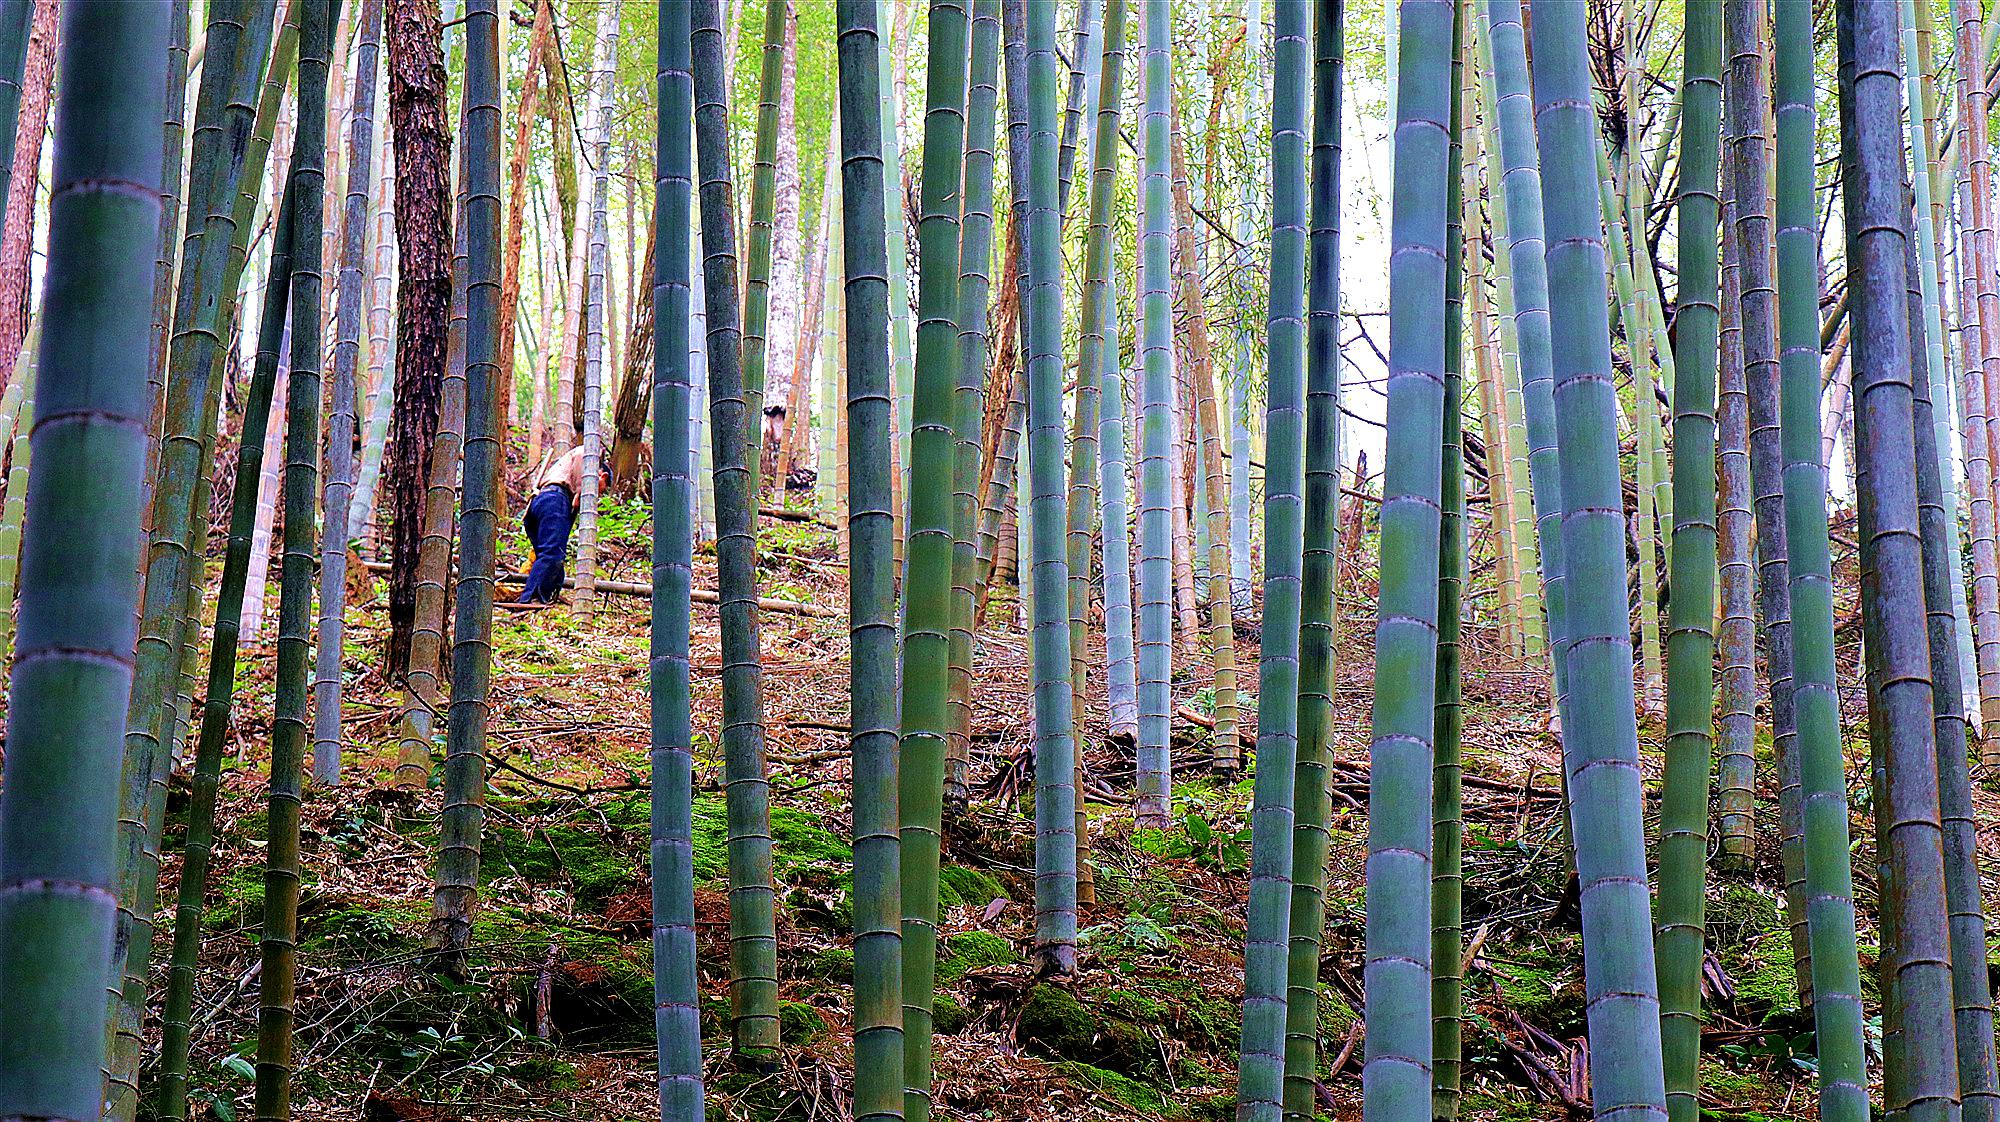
{"points": [[547, 521]]}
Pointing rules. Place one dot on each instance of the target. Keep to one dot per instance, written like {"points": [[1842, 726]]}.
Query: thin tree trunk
{"points": [[1980, 304], [252, 619], [517, 187], [628, 423], [423, 295], [472, 625], [596, 316], [781, 344]]}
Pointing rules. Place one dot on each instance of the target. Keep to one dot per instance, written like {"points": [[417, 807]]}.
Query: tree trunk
{"points": [[517, 188], [782, 343], [635, 392], [17, 234], [423, 298]]}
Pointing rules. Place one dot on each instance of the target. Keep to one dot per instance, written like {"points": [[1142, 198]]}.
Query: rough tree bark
{"points": [[423, 296], [17, 236]]}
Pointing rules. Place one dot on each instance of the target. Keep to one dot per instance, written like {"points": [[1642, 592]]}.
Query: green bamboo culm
{"points": [[1979, 1090], [219, 698], [763, 226], [1747, 98], [17, 18], [278, 942], [969, 394], [1447, 769], [753, 937], [139, 851], [72, 674], [878, 962], [340, 466], [1601, 740], [1527, 269], [1152, 797], [927, 587], [1690, 637], [1319, 561], [676, 988], [1829, 888], [1887, 317], [239, 32], [464, 772], [1396, 1073], [1055, 749], [1096, 323]]}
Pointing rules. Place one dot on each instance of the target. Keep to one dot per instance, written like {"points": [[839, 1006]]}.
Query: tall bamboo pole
{"points": [[1837, 1012], [339, 482], [1690, 699], [878, 989], [676, 985], [926, 717], [752, 911], [1319, 561], [278, 942], [1600, 745], [1397, 1069], [72, 675]]}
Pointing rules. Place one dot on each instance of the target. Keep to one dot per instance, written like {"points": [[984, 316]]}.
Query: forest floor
{"points": [[556, 1019]]}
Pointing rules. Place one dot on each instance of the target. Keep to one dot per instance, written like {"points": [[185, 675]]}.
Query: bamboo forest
{"points": [[999, 560]]}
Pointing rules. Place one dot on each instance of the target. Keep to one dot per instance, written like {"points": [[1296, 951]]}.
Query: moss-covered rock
{"points": [[968, 951], [960, 885], [1055, 1021], [948, 1017]]}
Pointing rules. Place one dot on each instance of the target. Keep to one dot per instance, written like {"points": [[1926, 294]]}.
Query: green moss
{"points": [[960, 885], [1544, 993], [798, 1021], [547, 1072], [948, 1017], [584, 859], [359, 932], [1748, 929], [1502, 1108], [1336, 1016], [968, 951], [1056, 1021], [1139, 1096], [834, 964], [1131, 1006], [1739, 914], [804, 851], [242, 899]]}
